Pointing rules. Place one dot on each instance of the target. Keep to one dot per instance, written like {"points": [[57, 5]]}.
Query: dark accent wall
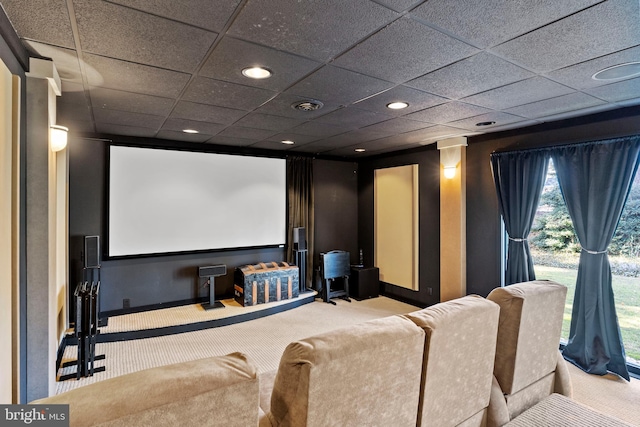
{"points": [[428, 161], [38, 279], [165, 280], [483, 217], [336, 207]]}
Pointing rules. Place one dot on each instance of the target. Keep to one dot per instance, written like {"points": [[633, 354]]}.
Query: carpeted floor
{"points": [[609, 394], [265, 339], [186, 314]]}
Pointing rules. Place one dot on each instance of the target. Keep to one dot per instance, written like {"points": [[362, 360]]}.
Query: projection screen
{"points": [[168, 201]]}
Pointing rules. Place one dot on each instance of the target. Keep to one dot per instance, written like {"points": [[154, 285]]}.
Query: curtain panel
{"points": [[301, 207], [519, 178], [595, 180]]}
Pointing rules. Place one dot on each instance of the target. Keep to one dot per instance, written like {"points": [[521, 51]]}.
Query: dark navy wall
{"points": [[483, 217], [336, 207], [343, 215], [428, 161], [169, 279]]}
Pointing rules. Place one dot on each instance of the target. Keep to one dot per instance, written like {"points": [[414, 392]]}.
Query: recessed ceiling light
{"points": [[620, 71], [485, 123], [256, 73], [189, 131], [359, 150], [399, 105], [288, 142]]}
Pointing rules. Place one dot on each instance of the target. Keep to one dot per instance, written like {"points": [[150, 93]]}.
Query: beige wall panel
{"points": [[15, 244], [61, 252], [396, 225], [6, 235], [453, 238]]}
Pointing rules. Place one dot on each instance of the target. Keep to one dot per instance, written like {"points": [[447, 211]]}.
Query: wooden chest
{"points": [[265, 282]]}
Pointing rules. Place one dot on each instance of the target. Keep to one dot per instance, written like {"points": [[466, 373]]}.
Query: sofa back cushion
{"points": [[364, 375], [458, 361], [529, 332], [217, 391]]}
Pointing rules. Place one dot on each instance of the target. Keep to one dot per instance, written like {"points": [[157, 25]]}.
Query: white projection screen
{"points": [[168, 201]]}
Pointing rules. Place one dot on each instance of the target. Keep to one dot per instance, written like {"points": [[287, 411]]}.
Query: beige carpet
{"points": [[265, 339], [186, 314], [609, 394]]}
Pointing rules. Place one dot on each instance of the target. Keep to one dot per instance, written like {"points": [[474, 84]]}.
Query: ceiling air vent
{"points": [[308, 105]]}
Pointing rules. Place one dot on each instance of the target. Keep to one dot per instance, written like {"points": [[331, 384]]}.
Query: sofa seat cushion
{"points": [[364, 375], [529, 396], [217, 391], [560, 411]]}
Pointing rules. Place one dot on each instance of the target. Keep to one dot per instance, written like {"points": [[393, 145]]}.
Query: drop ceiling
{"points": [[152, 68]]}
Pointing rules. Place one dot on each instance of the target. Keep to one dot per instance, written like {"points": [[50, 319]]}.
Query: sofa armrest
{"points": [[216, 391], [497, 412], [562, 383]]}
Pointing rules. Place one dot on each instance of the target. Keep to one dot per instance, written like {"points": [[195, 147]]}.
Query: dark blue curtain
{"points": [[595, 180], [519, 178]]}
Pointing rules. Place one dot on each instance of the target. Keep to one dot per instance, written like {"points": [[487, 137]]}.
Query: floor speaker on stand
{"points": [[299, 239], [91, 271], [300, 254]]}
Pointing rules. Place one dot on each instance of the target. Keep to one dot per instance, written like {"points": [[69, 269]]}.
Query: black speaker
{"points": [[212, 270], [299, 239], [91, 251], [364, 283]]}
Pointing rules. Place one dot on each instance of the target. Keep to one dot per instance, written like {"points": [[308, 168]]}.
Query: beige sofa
{"points": [[432, 367], [429, 367]]}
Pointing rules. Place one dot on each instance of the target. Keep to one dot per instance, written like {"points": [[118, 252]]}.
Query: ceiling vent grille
{"points": [[308, 105]]}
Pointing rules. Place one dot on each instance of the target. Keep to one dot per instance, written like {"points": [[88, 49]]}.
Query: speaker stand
{"points": [[212, 304], [89, 275], [301, 262], [208, 306]]}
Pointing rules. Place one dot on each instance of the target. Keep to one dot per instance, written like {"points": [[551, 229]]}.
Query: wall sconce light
{"points": [[450, 154], [449, 172], [58, 137]]}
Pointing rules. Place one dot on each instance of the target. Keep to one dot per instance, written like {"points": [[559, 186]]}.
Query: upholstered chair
{"points": [[364, 375], [528, 364], [458, 361]]}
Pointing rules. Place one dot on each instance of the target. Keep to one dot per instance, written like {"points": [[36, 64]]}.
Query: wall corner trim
{"points": [[45, 69]]}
